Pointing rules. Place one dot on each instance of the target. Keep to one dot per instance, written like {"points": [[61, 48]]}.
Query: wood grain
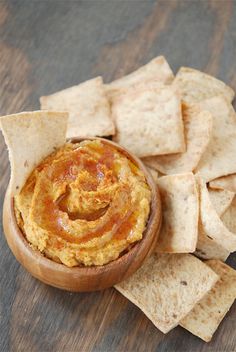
{"points": [[49, 45]]}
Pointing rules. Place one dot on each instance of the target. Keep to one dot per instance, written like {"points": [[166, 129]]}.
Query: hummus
{"points": [[85, 204]]}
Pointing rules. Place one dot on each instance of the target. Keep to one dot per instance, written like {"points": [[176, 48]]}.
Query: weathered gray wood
{"points": [[49, 45]]}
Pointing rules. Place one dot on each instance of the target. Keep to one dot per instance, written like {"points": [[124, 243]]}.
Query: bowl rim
{"points": [[96, 269]]}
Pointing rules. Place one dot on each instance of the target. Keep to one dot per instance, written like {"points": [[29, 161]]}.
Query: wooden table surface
{"points": [[49, 45]]}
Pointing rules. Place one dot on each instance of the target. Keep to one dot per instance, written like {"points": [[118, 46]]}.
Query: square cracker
{"points": [[88, 107], [180, 210], [30, 137], [195, 86], [197, 128], [157, 70], [205, 317], [219, 155], [149, 121], [167, 287]]}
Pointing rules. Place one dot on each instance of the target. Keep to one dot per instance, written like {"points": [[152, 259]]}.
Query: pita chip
{"points": [[196, 86], [229, 217], [149, 121], [167, 287], [30, 137], [221, 199], [157, 70], [211, 224], [225, 182], [88, 108], [205, 317], [218, 158], [197, 128], [207, 248], [180, 210]]}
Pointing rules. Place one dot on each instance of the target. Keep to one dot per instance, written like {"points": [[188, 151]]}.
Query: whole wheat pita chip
{"points": [[157, 70], [149, 121], [196, 86], [221, 199], [218, 158], [88, 107], [212, 225], [167, 287], [142, 86], [205, 317], [30, 137], [180, 209], [207, 248], [229, 217], [197, 128], [225, 182]]}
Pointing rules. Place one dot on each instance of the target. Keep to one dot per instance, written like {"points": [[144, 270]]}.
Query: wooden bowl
{"points": [[93, 278]]}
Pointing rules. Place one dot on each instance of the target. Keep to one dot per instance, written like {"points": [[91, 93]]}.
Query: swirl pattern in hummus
{"points": [[84, 205]]}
